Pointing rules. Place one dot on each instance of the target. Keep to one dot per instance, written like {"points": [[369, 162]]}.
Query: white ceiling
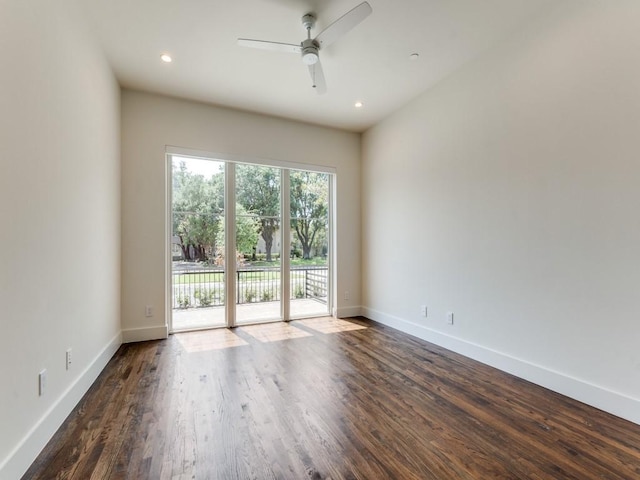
{"points": [[370, 64]]}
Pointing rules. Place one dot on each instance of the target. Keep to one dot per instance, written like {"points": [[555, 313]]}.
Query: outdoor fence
{"points": [[205, 287]]}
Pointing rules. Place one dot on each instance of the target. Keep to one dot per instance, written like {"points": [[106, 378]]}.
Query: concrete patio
{"points": [[246, 313]]}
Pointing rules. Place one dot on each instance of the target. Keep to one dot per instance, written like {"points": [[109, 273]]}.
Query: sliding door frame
{"points": [[285, 242], [230, 227]]}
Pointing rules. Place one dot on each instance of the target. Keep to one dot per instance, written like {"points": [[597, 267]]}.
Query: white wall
{"points": [[510, 195], [60, 217], [150, 123]]}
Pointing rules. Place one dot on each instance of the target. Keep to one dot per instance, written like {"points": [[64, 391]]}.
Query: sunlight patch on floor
{"points": [[275, 332], [330, 325], [220, 338], [206, 340]]}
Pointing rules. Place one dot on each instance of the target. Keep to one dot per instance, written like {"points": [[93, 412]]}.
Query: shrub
{"points": [[250, 296], [184, 301], [204, 296]]}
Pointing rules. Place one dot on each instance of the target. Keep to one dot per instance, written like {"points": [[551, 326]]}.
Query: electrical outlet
{"points": [[346, 294], [450, 318], [148, 311], [42, 382], [68, 359], [423, 310]]}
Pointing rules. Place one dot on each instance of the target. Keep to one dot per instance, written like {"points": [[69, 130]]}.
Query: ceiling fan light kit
{"points": [[310, 48], [310, 52]]}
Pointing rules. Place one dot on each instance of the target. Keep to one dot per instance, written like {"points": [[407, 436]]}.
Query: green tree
{"points": [[258, 191], [309, 208], [247, 228], [198, 205]]}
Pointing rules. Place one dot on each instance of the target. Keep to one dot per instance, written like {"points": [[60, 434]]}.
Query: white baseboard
{"points": [[613, 402], [23, 455], [346, 312], [143, 334]]}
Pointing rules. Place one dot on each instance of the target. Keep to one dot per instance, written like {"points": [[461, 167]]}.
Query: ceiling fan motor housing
{"points": [[310, 52]]}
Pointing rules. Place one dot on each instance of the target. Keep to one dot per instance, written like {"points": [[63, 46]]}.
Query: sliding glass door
{"points": [[197, 243], [309, 240], [258, 243], [279, 226]]}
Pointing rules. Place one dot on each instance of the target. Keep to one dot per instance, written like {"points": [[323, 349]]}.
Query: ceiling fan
{"points": [[310, 48]]}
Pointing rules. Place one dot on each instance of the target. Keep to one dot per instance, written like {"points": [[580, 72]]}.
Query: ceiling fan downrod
{"points": [[309, 46]]}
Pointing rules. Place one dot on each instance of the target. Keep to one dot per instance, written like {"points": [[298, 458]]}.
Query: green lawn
{"points": [[214, 277], [295, 262], [218, 277]]}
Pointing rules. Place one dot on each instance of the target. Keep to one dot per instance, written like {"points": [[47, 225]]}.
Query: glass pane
{"points": [[197, 243], [258, 249], [309, 244]]}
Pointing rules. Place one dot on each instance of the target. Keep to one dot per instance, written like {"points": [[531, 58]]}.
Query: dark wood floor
{"points": [[326, 399]]}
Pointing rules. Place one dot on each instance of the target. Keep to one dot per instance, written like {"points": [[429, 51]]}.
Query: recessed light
{"points": [[166, 58], [414, 56], [358, 104]]}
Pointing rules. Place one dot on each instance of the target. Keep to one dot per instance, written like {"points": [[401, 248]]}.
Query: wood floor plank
{"points": [[331, 400]]}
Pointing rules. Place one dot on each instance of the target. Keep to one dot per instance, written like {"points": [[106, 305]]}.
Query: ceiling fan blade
{"points": [[273, 46], [343, 24], [317, 78]]}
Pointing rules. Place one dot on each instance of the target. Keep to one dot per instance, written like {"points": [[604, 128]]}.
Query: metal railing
{"points": [[316, 284], [205, 287]]}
